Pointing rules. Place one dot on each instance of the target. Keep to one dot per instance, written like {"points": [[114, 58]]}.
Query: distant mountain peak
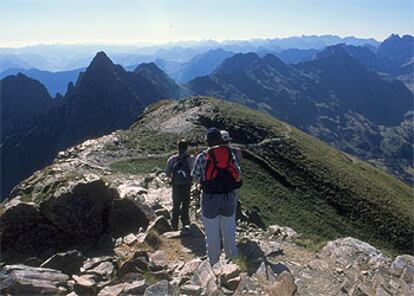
{"points": [[238, 63], [335, 50], [148, 66], [100, 60], [393, 37], [101, 68], [273, 60]]}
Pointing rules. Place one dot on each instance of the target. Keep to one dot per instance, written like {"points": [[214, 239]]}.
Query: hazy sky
{"points": [[24, 22]]}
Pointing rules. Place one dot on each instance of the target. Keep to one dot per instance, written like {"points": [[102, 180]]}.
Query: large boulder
{"points": [[65, 212], [24, 232], [126, 216]]}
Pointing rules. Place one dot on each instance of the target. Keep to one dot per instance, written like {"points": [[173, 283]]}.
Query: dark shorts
{"points": [[213, 205]]}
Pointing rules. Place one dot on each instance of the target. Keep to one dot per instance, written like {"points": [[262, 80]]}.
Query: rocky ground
{"points": [[80, 228]]}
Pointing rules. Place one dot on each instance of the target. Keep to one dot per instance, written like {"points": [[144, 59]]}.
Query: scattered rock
{"points": [[172, 234], [162, 275], [27, 280], [189, 267], [271, 248], [163, 213], [136, 287], [126, 268], [130, 239], [232, 283], [162, 288], [93, 262], [104, 269], [84, 280], [190, 289], [69, 262], [408, 274], [113, 290], [283, 232], [160, 225], [158, 260], [264, 274], [284, 285], [203, 275], [85, 284], [228, 272], [400, 263], [131, 277]]}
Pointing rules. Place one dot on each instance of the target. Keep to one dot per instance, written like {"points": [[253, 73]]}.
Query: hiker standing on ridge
{"points": [[218, 172], [225, 137], [179, 167]]}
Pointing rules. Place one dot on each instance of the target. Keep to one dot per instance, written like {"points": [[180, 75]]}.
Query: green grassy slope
{"points": [[296, 180]]}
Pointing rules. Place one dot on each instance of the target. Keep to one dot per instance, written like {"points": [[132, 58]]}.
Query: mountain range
{"points": [[393, 57], [67, 57], [55, 82], [35, 127], [335, 96]]}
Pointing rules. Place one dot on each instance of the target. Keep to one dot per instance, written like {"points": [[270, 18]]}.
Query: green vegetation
{"points": [[139, 166], [296, 180], [242, 262]]}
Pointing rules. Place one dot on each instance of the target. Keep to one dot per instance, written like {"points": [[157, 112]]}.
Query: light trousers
{"points": [[220, 229]]}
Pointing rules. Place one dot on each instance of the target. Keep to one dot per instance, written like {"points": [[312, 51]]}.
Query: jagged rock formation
{"points": [[101, 199], [22, 99], [55, 82], [105, 98]]}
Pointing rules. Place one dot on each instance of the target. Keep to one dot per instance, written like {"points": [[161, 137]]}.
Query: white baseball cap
{"points": [[225, 136]]}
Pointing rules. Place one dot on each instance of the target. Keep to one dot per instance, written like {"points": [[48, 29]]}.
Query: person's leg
{"points": [[176, 207], [228, 230], [212, 229], [185, 205]]}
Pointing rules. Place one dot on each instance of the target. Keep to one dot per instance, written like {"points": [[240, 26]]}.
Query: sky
{"points": [[28, 22]]}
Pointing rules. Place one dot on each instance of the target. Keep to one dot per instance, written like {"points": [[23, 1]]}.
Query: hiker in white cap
{"points": [[225, 136]]}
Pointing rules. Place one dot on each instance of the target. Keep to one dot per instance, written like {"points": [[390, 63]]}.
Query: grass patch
{"points": [[139, 166], [150, 278], [242, 262], [296, 180], [314, 244]]}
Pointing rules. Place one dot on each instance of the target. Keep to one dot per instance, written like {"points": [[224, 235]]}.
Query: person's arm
{"points": [[239, 155], [168, 169], [235, 160], [197, 172]]}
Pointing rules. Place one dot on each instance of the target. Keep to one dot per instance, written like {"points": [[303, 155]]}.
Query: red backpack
{"points": [[220, 175]]}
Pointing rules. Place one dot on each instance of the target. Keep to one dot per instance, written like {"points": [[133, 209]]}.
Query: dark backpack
{"points": [[220, 175], [181, 174]]}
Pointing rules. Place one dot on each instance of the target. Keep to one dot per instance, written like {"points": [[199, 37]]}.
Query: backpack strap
{"points": [[214, 161], [230, 159]]}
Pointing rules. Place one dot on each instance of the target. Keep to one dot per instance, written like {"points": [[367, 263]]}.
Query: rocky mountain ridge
{"points": [[105, 98], [96, 222]]}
